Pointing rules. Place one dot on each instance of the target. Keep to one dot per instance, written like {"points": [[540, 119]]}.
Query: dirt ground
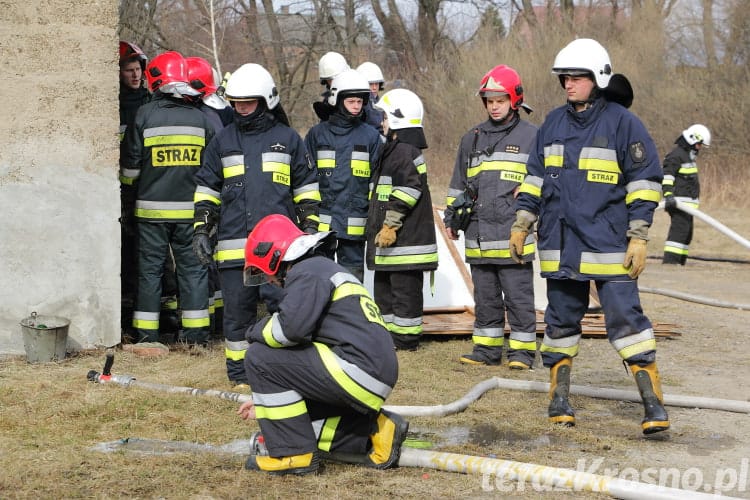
{"points": [[52, 417]]}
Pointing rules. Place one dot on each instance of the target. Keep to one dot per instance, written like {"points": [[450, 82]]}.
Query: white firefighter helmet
{"points": [[252, 81], [347, 84], [403, 108], [697, 133], [372, 72], [584, 56], [330, 65]]}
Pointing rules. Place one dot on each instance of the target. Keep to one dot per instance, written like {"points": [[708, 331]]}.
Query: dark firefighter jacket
{"points": [[491, 162], [344, 151], [400, 184], [249, 174], [590, 175], [326, 306], [163, 152], [681, 174]]}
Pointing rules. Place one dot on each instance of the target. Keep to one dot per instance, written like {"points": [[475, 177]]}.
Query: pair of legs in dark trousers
{"points": [[300, 408], [154, 241], [398, 294], [679, 237], [351, 255], [240, 313], [497, 290], [628, 329]]}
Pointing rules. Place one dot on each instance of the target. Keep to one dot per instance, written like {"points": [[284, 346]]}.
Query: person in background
{"points": [[163, 151], [344, 148], [490, 166], [256, 166], [133, 94], [205, 79], [593, 183], [681, 184], [373, 115], [330, 65], [322, 366], [401, 242]]}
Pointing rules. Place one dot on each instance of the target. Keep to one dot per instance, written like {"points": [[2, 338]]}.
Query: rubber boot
{"points": [[387, 440], [649, 386], [299, 465], [560, 411]]}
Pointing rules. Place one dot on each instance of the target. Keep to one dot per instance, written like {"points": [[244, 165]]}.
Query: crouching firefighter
{"points": [[322, 365]]}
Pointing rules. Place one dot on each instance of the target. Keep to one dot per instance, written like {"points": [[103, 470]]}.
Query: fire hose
{"points": [[505, 470], [711, 222]]}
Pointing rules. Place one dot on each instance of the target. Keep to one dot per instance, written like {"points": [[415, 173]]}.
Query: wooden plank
{"points": [[461, 322]]}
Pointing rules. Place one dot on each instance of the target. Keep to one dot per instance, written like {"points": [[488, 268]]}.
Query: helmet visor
{"points": [[252, 276]]}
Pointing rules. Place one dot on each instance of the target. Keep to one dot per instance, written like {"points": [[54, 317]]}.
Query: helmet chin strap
{"points": [[595, 94], [505, 119]]}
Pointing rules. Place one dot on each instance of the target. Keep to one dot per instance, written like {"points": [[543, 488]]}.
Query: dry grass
{"points": [[52, 417]]}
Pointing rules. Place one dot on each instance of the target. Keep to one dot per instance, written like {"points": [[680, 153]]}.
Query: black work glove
{"points": [[309, 226], [670, 203], [202, 246]]}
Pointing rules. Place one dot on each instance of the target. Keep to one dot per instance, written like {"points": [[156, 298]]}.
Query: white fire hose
{"points": [[506, 470], [711, 221]]}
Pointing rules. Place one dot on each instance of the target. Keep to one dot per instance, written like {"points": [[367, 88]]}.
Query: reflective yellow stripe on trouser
{"points": [[279, 406], [353, 380], [325, 430]]}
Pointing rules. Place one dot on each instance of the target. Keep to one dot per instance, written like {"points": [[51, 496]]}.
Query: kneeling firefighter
{"points": [[322, 365]]}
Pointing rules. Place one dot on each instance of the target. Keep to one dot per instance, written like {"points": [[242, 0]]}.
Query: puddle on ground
{"points": [[161, 447], [485, 435], [703, 444]]}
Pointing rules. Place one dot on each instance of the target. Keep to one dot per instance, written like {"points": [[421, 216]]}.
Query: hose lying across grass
{"points": [[500, 470]]}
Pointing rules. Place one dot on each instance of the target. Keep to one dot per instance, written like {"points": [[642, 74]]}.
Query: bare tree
{"points": [[395, 33]]}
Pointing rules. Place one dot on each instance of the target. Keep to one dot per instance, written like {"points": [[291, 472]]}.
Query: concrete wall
{"points": [[59, 195]]}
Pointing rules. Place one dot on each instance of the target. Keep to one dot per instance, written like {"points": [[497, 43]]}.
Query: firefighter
{"points": [[133, 94], [344, 147], [320, 367], [256, 166], [329, 65], [681, 184], [401, 242], [205, 79], [164, 148], [593, 182], [490, 166], [374, 75]]}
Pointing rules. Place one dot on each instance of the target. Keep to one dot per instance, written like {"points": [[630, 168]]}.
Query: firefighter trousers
{"points": [[679, 237], [398, 294], [628, 329], [301, 408], [499, 290], [154, 242], [240, 313]]}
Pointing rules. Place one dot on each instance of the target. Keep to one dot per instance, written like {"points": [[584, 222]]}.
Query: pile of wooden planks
{"points": [[460, 321]]}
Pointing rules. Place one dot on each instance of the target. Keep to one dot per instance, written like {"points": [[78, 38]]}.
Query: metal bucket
{"points": [[45, 338]]}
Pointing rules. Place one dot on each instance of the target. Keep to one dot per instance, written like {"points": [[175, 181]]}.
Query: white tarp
{"points": [[451, 289]]}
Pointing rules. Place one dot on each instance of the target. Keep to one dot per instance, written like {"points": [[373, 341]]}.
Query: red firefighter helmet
{"points": [[275, 239], [201, 75], [502, 79], [130, 51], [167, 67]]}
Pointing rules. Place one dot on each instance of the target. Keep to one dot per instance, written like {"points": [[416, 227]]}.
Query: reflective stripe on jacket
{"points": [[492, 160], [162, 153], [400, 184], [591, 174]]}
